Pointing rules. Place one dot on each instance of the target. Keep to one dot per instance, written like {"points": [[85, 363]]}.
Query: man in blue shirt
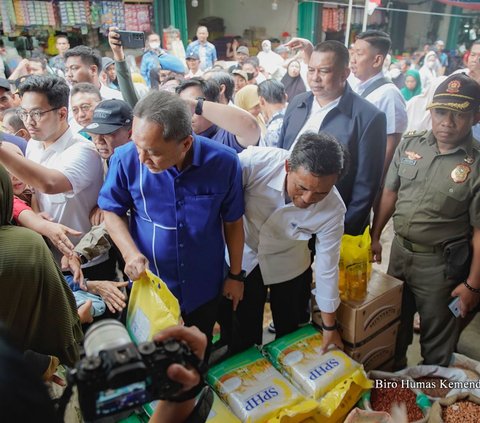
{"points": [[185, 197], [203, 49]]}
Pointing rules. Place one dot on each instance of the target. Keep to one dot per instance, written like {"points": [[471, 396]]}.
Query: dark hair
{"points": [[378, 39], [272, 91], [224, 78], [253, 60], [320, 154], [167, 110], [88, 56], [14, 121], [39, 58], [54, 88], [342, 57], [87, 88], [210, 89]]}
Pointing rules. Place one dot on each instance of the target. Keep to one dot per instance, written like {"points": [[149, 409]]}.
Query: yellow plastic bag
{"points": [[151, 308], [355, 266]]}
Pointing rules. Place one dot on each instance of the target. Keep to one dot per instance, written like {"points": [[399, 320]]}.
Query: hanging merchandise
{"points": [[74, 13], [333, 19], [7, 15], [137, 17], [112, 15], [33, 13]]}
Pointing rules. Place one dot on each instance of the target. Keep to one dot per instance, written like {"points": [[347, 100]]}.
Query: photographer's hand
{"points": [[177, 412]]}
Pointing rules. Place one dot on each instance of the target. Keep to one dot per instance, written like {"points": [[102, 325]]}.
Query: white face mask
{"points": [[154, 46], [430, 65]]}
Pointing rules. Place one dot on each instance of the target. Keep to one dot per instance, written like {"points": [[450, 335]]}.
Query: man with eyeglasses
{"points": [[63, 168]]}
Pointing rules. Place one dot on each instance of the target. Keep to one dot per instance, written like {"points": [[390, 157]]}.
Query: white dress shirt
{"points": [[78, 160], [315, 119], [390, 101], [277, 234]]}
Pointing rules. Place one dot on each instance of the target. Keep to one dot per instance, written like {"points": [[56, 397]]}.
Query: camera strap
{"points": [[202, 408]]}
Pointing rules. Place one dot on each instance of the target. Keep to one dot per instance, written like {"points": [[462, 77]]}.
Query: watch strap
{"points": [[199, 106]]}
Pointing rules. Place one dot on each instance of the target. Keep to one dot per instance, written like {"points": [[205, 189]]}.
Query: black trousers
{"points": [[287, 301], [204, 318]]}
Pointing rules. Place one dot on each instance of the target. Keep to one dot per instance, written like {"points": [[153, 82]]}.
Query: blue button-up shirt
{"points": [[177, 216], [149, 61], [206, 52]]}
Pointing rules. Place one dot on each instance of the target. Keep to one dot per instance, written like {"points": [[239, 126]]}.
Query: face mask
{"points": [[430, 65], [154, 46]]}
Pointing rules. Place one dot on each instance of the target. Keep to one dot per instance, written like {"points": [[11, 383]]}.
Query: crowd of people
{"points": [[231, 184]]}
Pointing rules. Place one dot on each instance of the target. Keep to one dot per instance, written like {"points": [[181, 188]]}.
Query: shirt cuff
{"points": [[327, 305]]}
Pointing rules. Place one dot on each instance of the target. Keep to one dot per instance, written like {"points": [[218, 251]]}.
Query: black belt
{"points": [[418, 248]]}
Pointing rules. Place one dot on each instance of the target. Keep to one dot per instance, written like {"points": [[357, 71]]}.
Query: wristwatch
{"points": [[240, 277], [330, 328], [199, 106]]}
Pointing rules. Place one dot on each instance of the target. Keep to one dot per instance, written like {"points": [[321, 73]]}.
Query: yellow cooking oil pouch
{"points": [[255, 391], [355, 266], [151, 308]]}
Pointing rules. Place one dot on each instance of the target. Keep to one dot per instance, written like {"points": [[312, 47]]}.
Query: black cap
{"points": [[458, 92], [108, 116], [5, 84]]}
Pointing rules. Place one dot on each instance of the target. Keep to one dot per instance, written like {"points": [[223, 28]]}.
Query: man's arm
{"points": [[135, 262], [468, 299], [392, 142], [48, 181], [235, 239], [233, 119]]}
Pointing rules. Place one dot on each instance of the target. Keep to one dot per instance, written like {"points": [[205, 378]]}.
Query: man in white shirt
{"points": [[366, 62], [83, 64], [288, 198], [64, 169]]}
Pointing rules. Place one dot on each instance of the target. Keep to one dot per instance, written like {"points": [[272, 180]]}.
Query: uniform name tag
{"points": [[408, 162]]}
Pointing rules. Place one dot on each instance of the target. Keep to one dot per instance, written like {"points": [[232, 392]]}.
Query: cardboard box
{"points": [[359, 320], [376, 352]]}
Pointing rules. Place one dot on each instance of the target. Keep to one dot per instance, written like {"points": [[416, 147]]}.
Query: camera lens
{"points": [[105, 335]]}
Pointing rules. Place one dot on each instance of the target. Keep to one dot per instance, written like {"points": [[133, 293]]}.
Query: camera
{"points": [[116, 375]]}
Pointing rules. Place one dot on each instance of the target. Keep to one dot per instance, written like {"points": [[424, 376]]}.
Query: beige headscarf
{"points": [[247, 98]]}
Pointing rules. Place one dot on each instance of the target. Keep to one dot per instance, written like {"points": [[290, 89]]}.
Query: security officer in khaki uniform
{"points": [[432, 190]]}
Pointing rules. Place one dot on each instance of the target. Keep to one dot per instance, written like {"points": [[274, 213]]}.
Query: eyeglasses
{"points": [[36, 115]]}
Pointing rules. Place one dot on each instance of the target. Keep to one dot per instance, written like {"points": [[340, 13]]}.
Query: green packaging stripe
{"points": [[237, 361], [423, 402], [275, 348]]}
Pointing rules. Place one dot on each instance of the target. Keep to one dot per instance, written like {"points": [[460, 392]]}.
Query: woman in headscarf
{"points": [[293, 81], [247, 99], [413, 84], [36, 303], [429, 70]]}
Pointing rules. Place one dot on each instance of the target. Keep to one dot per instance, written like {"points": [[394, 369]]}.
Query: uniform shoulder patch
{"points": [[412, 134]]}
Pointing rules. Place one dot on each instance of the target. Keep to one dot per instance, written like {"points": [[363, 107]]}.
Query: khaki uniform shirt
{"points": [[438, 194]]}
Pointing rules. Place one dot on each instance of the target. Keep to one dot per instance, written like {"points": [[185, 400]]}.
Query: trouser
{"points": [[285, 301], [204, 318], [428, 291]]}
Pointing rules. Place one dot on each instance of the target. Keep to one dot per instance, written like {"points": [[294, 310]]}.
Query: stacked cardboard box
{"points": [[369, 327]]}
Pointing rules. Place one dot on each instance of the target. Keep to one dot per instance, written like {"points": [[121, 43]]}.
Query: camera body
{"points": [[119, 377], [132, 39]]}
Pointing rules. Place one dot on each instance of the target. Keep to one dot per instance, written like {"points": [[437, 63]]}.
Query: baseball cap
{"points": [[242, 73], [108, 116], [192, 56], [458, 92], [5, 84], [171, 63], [106, 62], [243, 50]]}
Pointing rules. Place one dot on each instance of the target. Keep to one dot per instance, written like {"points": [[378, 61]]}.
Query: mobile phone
{"points": [[132, 39], [454, 306]]}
